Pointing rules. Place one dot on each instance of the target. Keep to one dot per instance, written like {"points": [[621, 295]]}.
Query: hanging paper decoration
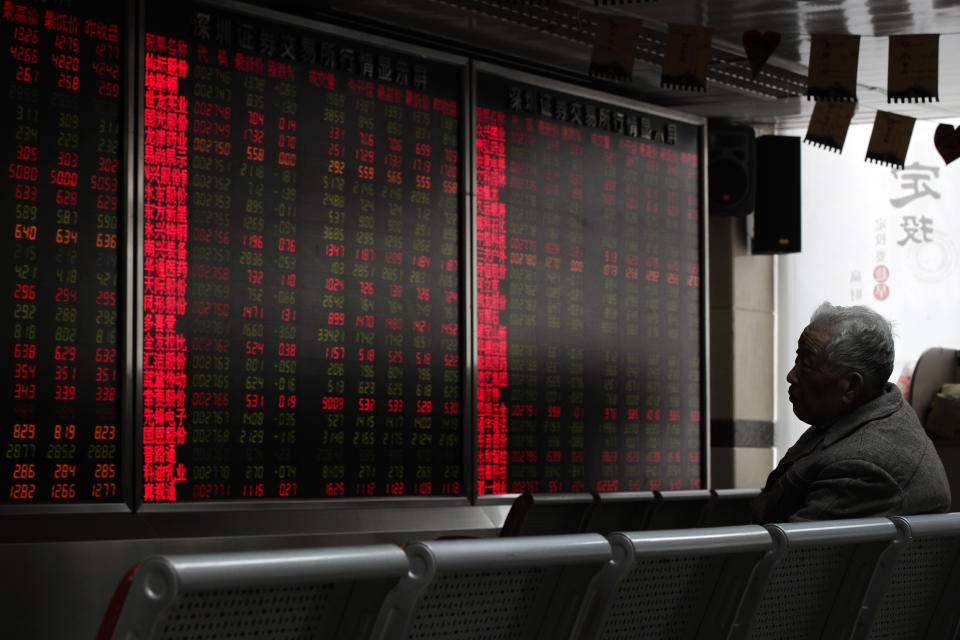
{"points": [[759, 47], [947, 141], [833, 67], [686, 57], [912, 68], [890, 139], [615, 49], [829, 124]]}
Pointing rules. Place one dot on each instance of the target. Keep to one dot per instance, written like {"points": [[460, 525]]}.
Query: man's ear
{"points": [[852, 388]]}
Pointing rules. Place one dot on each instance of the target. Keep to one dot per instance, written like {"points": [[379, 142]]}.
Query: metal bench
{"points": [[679, 509], [916, 591], [540, 514], [317, 593], [813, 583], [672, 584], [519, 588], [620, 511], [729, 507]]}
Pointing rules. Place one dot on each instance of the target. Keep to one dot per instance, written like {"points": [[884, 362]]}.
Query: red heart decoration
{"points": [[947, 141], [759, 47]]}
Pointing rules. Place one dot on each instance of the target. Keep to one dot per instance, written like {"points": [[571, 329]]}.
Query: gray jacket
{"points": [[874, 461]]}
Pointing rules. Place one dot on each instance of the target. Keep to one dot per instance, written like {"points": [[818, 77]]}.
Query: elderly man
{"points": [[865, 453]]}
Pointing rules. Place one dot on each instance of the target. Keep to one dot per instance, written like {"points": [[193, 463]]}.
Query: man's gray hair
{"points": [[859, 339]]}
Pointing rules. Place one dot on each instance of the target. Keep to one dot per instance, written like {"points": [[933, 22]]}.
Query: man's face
{"points": [[816, 389]]}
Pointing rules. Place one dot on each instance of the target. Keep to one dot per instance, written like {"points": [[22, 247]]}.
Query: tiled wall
{"points": [[742, 325]]}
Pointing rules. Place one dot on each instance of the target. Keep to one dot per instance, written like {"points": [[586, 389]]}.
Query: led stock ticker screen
{"points": [[302, 231], [589, 295], [301, 309], [61, 116]]}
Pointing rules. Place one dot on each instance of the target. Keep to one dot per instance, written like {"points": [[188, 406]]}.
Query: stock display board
{"points": [[302, 238], [589, 295], [301, 307], [61, 69]]}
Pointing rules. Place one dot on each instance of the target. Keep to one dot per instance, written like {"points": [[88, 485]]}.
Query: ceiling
{"points": [[556, 36]]}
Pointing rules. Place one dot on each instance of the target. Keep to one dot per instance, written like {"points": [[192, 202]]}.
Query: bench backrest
{"points": [[672, 584], [730, 507], [679, 509], [815, 579], [620, 511], [317, 593], [519, 588], [543, 514], [916, 594]]}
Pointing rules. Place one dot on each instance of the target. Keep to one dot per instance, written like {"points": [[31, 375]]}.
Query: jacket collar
{"points": [[808, 441], [887, 403]]}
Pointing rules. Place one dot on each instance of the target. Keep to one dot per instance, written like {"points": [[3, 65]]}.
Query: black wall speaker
{"points": [[776, 220], [730, 169]]}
